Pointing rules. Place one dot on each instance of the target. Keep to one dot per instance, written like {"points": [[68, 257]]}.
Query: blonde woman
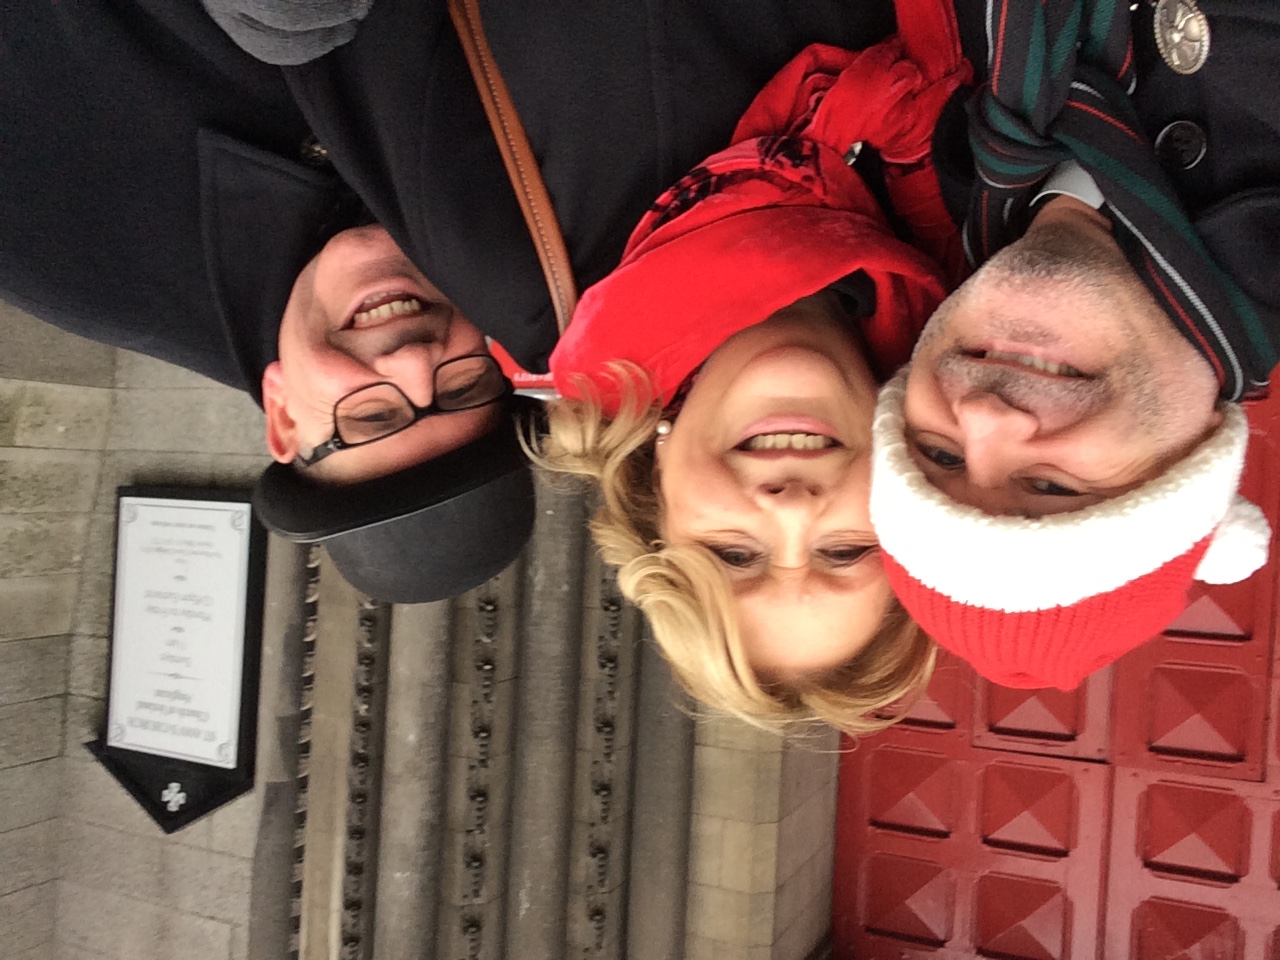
{"points": [[719, 386]]}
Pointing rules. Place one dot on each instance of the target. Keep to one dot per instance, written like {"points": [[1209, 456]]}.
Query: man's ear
{"points": [[282, 431]]}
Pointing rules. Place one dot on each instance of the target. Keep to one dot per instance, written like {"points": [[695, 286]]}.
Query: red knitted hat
{"points": [[1045, 602]]}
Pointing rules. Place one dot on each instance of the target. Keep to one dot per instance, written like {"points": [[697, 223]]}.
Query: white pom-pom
{"points": [[1239, 545]]}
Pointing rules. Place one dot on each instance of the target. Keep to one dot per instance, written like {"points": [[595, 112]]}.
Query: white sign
{"points": [[177, 654]]}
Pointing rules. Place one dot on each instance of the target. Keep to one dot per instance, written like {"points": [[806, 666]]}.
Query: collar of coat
{"points": [[262, 218]]}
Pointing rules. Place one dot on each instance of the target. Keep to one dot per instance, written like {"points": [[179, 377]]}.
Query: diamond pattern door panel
{"points": [[1196, 699], [1049, 722], [1137, 818], [947, 704], [945, 850], [1193, 868]]}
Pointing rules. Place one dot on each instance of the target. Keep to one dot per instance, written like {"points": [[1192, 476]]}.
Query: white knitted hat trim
{"points": [[1016, 565]]}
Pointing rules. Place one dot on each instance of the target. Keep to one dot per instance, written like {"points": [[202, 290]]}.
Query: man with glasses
{"points": [[161, 191]]}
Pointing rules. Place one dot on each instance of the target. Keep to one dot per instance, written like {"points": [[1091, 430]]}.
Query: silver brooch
{"points": [[1182, 35]]}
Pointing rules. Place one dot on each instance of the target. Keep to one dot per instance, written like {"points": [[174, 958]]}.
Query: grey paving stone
{"points": [[36, 607], [48, 481], [46, 951], [41, 544], [27, 916], [218, 420], [233, 829], [32, 669], [190, 880], [29, 855], [35, 350], [206, 883], [30, 731], [69, 951], [52, 415], [30, 793], [135, 930], [100, 857]]}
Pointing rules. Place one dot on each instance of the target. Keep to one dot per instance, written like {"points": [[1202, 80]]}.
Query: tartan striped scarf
{"points": [[1061, 72]]}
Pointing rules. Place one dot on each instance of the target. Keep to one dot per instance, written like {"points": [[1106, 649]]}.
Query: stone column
{"points": [[660, 813], [546, 721], [415, 774], [346, 711], [277, 758], [762, 843]]}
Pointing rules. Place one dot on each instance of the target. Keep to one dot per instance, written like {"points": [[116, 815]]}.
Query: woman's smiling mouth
{"points": [[787, 441]]}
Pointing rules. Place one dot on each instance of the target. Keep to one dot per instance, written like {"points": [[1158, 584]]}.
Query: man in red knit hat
{"points": [[1062, 457]]}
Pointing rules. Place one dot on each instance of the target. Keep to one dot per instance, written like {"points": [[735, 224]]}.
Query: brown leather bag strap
{"points": [[522, 167]]}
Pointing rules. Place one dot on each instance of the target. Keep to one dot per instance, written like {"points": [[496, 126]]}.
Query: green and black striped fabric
{"points": [[1061, 72]]}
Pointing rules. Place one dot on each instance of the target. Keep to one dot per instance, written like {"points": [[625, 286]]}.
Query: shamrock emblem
{"points": [[173, 797]]}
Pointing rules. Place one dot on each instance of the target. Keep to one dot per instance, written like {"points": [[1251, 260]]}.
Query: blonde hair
{"points": [[684, 593]]}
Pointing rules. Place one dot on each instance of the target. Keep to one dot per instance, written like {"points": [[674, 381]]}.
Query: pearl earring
{"points": [[664, 429]]}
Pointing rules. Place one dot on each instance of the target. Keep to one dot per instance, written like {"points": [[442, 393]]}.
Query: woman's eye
{"points": [[735, 556], [845, 556], [1050, 489], [947, 461]]}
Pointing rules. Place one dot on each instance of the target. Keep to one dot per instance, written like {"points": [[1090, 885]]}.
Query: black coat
{"points": [[618, 99], [150, 194]]}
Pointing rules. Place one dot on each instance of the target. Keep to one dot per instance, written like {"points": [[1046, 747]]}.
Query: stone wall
{"points": [[85, 873], [761, 842]]}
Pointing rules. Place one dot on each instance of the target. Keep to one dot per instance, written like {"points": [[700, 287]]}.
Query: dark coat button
{"points": [[314, 153], [1181, 145]]}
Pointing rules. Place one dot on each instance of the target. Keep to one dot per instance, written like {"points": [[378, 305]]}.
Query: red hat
{"points": [[1045, 602], [778, 216], [759, 243]]}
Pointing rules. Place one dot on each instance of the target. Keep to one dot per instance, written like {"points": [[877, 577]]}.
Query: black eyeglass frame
{"points": [[336, 443]]}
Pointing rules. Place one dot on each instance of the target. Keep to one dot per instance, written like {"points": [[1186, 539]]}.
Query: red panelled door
{"points": [[1136, 817]]}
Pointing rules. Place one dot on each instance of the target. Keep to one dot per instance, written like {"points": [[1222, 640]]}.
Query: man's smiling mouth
{"points": [[1022, 359], [383, 307]]}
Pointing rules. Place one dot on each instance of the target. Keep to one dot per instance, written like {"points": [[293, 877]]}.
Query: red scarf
{"points": [[780, 215]]}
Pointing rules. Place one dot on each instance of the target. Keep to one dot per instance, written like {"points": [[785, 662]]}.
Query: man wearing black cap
{"points": [[161, 191]]}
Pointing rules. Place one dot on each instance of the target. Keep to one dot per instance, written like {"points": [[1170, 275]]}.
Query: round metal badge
{"points": [[1182, 35]]}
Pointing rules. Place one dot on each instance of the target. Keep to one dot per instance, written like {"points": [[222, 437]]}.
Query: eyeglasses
{"points": [[379, 410]]}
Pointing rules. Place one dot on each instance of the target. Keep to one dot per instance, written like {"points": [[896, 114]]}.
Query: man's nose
{"points": [[411, 368], [992, 431]]}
